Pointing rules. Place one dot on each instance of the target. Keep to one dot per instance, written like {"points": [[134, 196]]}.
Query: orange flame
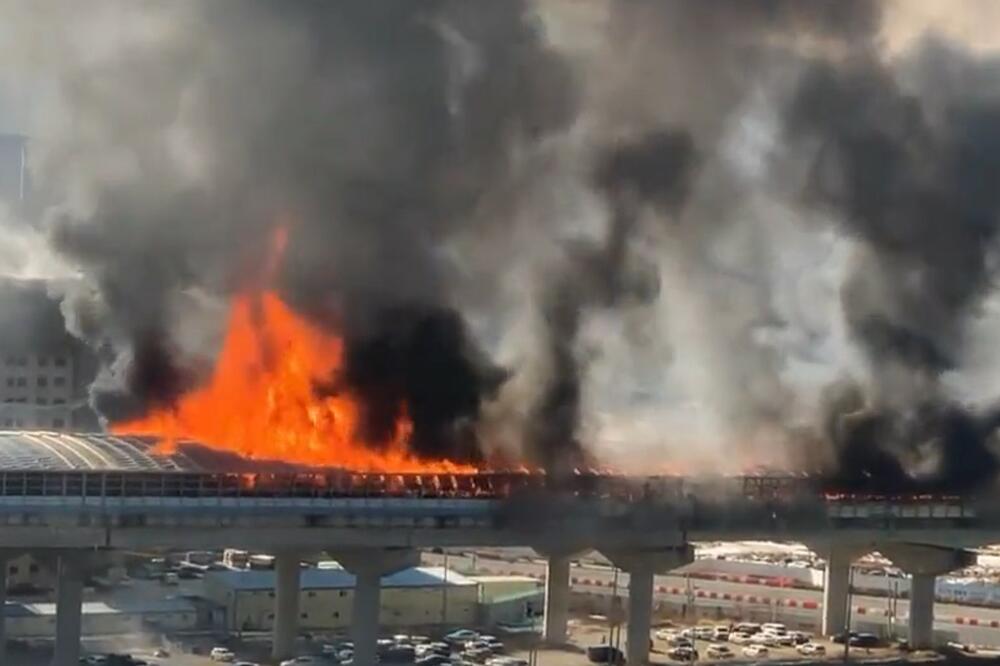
{"points": [[261, 400]]}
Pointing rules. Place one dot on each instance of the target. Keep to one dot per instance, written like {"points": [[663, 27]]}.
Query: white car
{"points": [[719, 652], [755, 651], [221, 654], [739, 638], [763, 638], [721, 633], [665, 634], [811, 649], [704, 633], [461, 636], [306, 661]]}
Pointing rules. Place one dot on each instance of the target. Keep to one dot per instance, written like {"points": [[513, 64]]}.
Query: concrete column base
{"points": [[368, 566], [642, 565], [557, 599], [286, 605], [924, 563], [69, 609]]}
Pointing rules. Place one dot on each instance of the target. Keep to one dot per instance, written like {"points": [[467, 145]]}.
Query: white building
{"points": [[44, 371], [422, 596], [38, 620]]}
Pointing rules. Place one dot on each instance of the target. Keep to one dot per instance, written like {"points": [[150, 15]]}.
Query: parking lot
{"points": [[582, 633]]}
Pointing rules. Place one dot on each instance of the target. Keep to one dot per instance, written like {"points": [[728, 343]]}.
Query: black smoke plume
{"points": [[651, 170], [370, 130], [909, 176]]}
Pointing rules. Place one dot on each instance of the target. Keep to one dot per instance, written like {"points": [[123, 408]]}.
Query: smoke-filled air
{"points": [[663, 235]]}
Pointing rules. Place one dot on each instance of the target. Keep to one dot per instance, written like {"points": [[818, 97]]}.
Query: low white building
{"points": [[421, 596], [38, 620]]}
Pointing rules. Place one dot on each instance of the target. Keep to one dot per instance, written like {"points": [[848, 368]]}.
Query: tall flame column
{"points": [[286, 604]]}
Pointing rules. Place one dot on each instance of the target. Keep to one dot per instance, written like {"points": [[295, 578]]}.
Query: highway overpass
{"points": [[78, 497]]}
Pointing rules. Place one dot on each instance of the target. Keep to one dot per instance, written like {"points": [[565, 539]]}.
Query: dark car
{"points": [[683, 654], [433, 660], [865, 640], [605, 654]]}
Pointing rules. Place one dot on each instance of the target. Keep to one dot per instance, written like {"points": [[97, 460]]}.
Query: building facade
{"points": [[44, 371], [418, 597]]}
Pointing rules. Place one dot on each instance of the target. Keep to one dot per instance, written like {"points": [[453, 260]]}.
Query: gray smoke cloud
{"points": [[636, 232]]}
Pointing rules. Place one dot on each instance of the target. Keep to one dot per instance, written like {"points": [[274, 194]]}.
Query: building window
{"points": [[336, 615], [270, 616], [59, 381], [343, 593], [43, 382], [33, 568], [58, 401], [304, 616], [60, 361], [10, 381], [12, 569], [41, 401], [22, 361], [310, 594], [271, 595], [58, 423], [22, 381], [43, 361]]}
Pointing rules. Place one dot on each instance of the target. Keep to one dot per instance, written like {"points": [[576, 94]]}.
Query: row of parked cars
{"points": [[462, 647], [754, 638]]}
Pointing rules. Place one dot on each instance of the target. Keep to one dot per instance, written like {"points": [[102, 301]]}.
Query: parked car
{"points": [[683, 654], [762, 638], [721, 633], [679, 641], [749, 628], [477, 655], [811, 649], [605, 654], [221, 654], [461, 636], [800, 637], [755, 651], [739, 638], [493, 642], [433, 659], [704, 633], [307, 660], [665, 634], [718, 651], [865, 640]]}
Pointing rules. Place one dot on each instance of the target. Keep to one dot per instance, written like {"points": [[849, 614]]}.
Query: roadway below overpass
{"points": [[970, 624]]}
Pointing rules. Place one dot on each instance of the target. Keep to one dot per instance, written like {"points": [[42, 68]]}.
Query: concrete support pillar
{"points": [[286, 605], [556, 599], [641, 566], [640, 613], [836, 590], [924, 563], [3, 608], [365, 615], [921, 623], [368, 566], [69, 601]]}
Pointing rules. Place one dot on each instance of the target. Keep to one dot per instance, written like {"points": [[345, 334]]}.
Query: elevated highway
{"points": [[77, 497]]}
